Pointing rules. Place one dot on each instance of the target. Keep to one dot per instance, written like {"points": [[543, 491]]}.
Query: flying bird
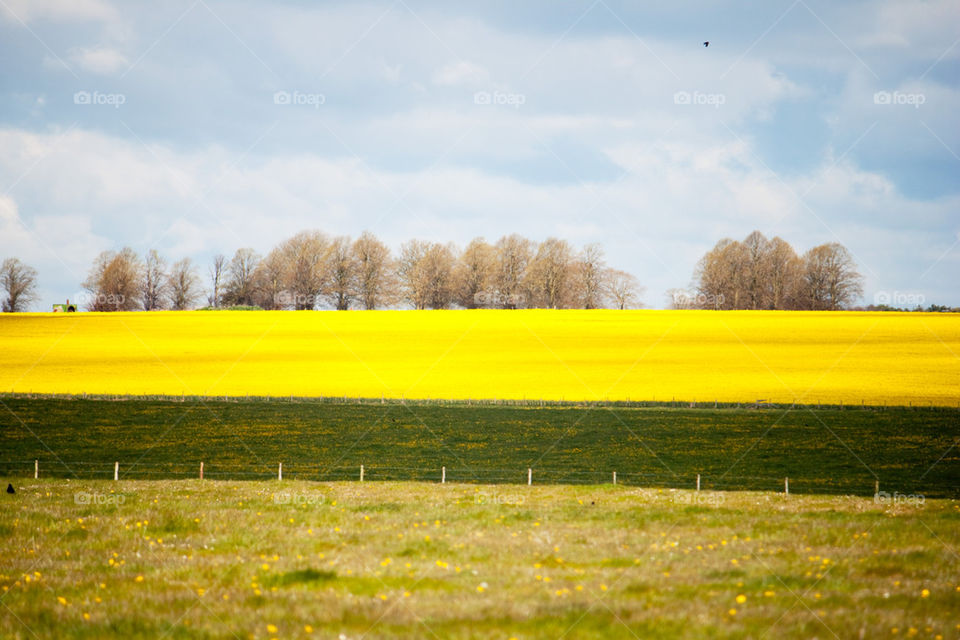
{"points": [[707, 43]]}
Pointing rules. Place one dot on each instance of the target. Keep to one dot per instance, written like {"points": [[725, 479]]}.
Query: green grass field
{"points": [[294, 559], [910, 451]]}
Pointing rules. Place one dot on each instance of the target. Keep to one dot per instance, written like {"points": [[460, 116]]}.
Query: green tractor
{"points": [[65, 308]]}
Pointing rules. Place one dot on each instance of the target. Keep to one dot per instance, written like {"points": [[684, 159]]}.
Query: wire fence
{"points": [[864, 485], [673, 403]]}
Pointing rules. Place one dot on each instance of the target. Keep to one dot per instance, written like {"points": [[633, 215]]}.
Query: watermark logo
{"points": [[511, 499], [900, 299], [114, 100], [299, 499], [99, 300], [99, 499], [683, 299], [497, 299], [715, 100], [297, 300], [299, 99], [899, 98], [699, 498], [515, 100], [884, 498]]}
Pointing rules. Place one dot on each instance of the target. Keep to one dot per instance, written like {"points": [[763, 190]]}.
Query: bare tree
{"points": [[475, 273], [623, 289], [514, 254], [440, 262], [756, 276], [721, 276], [306, 255], [374, 278], [114, 281], [183, 285], [240, 286], [426, 274], [830, 278], [341, 269], [590, 271], [154, 283], [411, 271], [217, 269], [784, 270], [549, 274], [270, 281], [19, 283]]}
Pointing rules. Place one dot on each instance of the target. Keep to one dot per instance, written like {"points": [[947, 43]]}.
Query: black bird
{"points": [[10, 488], [707, 43]]}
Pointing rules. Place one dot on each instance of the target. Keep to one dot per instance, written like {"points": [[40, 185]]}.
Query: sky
{"points": [[197, 127]]}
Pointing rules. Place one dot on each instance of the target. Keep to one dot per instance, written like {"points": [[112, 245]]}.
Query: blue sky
{"points": [[198, 127]]}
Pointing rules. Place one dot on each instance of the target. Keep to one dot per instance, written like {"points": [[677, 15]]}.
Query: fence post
{"points": [[116, 471], [36, 469], [280, 472], [786, 486], [201, 470], [614, 477], [443, 475], [529, 476], [698, 482], [876, 488], [361, 473]]}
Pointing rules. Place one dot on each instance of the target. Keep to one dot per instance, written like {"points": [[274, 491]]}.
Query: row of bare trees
{"points": [[312, 270], [121, 281], [761, 273]]}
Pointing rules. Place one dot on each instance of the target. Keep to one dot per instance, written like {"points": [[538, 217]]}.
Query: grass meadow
{"points": [[293, 559]]}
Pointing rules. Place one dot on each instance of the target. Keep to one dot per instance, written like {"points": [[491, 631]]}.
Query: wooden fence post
{"points": [[786, 486], [116, 471], [529, 476], [614, 477], [876, 488], [361, 473], [201, 470], [698, 482], [36, 469], [280, 472], [443, 475]]}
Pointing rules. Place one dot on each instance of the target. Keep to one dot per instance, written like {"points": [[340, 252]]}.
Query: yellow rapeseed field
{"points": [[809, 357]]}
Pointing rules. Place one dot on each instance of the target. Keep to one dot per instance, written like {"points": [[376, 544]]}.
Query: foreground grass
{"points": [[821, 451], [220, 559]]}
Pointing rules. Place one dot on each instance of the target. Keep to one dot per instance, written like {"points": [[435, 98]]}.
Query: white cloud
{"points": [[677, 199], [58, 10], [462, 73], [99, 60]]}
